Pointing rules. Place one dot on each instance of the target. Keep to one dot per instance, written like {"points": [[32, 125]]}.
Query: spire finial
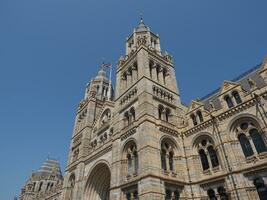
{"points": [[141, 18]]}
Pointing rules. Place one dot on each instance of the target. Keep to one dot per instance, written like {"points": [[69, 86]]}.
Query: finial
{"points": [[141, 18]]}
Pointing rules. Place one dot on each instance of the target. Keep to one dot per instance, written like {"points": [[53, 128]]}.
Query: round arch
{"points": [[244, 117], [98, 183]]}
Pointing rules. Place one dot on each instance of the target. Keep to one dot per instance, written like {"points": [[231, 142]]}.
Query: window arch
{"points": [[167, 155], [237, 97], [207, 154], [229, 101], [247, 130], [132, 159]]}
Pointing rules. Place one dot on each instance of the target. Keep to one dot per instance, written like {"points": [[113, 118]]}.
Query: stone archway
{"points": [[97, 187]]}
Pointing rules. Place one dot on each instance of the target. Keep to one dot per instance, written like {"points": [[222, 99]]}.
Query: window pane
{"points": [[258, 141], [245, 144]]}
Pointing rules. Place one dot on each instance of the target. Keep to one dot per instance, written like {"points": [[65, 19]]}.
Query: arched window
{"points": [[261, 188], [132, 112], [245, 145], [211, 194], [229, 101], [126, 118], [200, 117], [257, 140], [40, 186], [168, 194], [132, 159], [237, 97], [150, 68], [160, 111], [213, 156], [222, 193], [163, 159], [168, 114], [171, 160], [194, 119], [164, 75], [204, 159], [167, 156], [158, 70]]}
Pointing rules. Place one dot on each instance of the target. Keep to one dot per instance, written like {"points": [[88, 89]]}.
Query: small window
{"points": [[237, 97], [245, 145], [194, 119], [229, 101], [200, 117]]}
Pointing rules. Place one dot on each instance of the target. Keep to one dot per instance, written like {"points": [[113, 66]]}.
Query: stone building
{"points": [[143, 143], [45, 183]]}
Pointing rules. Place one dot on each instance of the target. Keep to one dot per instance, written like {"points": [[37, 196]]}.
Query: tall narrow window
{"points": [[237, 97], [126, 119], [257, 140], [211, 194], [228, 101], [204, 159], [133, 113], [194, 119], [261, 188], [160, 111], [150, 69], [157, 70], [222, 193], [168, 194], [200, 117], [171, 160], [168, 114], [132, 159], [245, 145], [213, 156], [163, 159], [40, 186], [164, 72]]}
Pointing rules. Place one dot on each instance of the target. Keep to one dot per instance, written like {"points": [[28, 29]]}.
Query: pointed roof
{"points": [[142, 27]]}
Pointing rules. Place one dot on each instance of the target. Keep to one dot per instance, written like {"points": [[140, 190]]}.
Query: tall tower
{"points": [[117, 143], [147, 114]]}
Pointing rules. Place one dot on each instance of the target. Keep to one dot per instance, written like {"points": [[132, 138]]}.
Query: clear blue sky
{"points": [[49, 49]]}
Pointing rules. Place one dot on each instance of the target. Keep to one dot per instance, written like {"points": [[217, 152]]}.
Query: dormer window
{"points": [[237, 97], [229, 101]]}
